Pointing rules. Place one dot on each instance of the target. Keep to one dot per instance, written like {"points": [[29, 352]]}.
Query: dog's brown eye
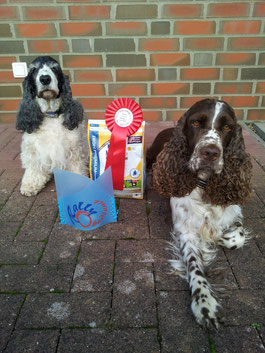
{"points": [[226, 128], [196, 123]]}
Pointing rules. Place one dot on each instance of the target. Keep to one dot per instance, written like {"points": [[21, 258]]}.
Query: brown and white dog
{"points": [[204, 169]]}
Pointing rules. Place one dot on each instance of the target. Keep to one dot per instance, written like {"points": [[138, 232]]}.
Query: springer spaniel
{"points": [[51, 121], [206, 172]]}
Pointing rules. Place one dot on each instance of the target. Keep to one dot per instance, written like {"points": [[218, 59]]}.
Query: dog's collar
{"points": [[52, 114], [202, 184]]}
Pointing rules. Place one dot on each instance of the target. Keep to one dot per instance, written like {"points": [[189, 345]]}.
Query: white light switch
{"points": [[19, 69]]}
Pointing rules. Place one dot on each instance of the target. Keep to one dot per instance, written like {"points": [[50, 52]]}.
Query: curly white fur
{"points": [[51, 146]]}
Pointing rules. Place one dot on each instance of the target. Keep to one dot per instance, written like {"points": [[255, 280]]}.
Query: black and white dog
{"points": [[52, 124]]}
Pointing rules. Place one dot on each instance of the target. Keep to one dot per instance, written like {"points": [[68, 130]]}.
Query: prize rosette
{"points": [[123, 118]]}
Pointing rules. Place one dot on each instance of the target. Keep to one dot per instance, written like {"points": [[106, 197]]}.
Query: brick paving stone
{"points": [[10, 306], [16, 208], [238, 340], [7, 186], [6, 136], [97, 249], [103, 341], [28, 341], [248, 266], [40, 278], [142, 251], [38, 224], [12, 148], [8, 231], [166, 279], [254, 207], [46, 198], [125, 228], [12, 174], [179, 331], [14, 164], [4, 337], [244, 307], [134, 296], [12, 253], [93, 276], [65, 310], [160, 216], [257, 228], [259, 189], [63, 245], [94, 270]]}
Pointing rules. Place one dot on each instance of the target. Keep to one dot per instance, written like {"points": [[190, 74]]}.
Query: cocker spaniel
{"points": [[206, 172], [51, 121]]}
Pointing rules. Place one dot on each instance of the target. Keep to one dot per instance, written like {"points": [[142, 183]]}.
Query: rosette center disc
{"points": [[123, 117]]}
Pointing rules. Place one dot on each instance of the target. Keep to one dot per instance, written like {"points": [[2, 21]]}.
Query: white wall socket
{"points": [[19, 70]]}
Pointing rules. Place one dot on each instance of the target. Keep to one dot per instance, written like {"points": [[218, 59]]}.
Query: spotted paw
{"points": [[234, 239], [206, 309]]}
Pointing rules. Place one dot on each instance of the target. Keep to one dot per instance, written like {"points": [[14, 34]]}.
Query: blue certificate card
{"points": [[84, 203]]}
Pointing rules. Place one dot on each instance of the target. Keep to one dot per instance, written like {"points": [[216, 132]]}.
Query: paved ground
{"points": [[110, 290]]}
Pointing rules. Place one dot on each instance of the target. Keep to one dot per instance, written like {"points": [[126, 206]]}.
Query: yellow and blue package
{"points": [[134, 171], [83, 203]]}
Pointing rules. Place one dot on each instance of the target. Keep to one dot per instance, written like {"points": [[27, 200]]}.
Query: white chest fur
{"points": [[193, 217], [51, 146]]}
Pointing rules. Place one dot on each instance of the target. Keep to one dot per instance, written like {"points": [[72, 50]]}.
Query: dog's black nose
{"points": [[210, 152], [45, 79]]}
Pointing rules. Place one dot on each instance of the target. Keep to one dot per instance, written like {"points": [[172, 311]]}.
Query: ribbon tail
{"points": [[116, 156]]}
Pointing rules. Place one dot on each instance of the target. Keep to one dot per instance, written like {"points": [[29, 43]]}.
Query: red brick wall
{"points": [[166, 55]]}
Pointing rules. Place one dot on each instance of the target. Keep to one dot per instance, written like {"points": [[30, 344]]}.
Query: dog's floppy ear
{"points": [[171, 176], [72, 109], [29, 116], [236, 175]]}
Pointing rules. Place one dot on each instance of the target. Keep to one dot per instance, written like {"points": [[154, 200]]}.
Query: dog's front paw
{"points": [[29, 190], [235, 238], [206, 309]]}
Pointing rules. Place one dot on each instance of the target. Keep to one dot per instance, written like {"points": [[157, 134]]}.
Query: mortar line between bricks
{"points": [[159, 336], [259, 164], [4, 130], [22, 222], [113, 278], [58, 340], [76, 262], [9, 141], [15, 322], [260, 336], [231, 267], [259, 199], [148, 219], [259, 248], [1, 208], [47, 240]]}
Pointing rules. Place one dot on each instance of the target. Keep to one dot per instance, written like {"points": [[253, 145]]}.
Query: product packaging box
{"points": [[134, 171]]}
